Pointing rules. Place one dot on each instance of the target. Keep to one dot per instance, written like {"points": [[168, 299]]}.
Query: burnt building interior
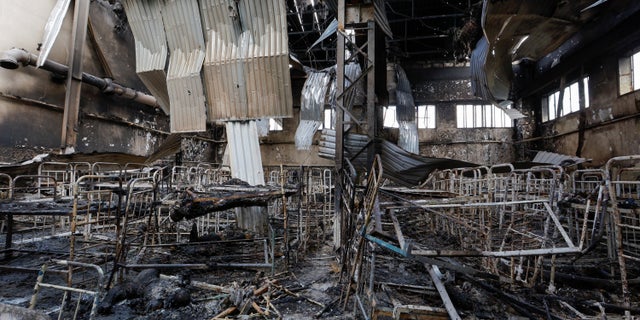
{"points": [[320, 159]]}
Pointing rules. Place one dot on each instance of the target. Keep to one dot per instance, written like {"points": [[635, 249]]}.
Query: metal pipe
{"points": [[12, 59]]}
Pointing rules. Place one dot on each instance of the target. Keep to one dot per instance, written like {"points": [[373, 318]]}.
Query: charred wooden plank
{"points": [[194, 205]]}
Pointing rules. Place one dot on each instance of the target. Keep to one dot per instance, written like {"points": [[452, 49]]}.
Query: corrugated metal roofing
{"points": [[247, 61], [244, 152], [145, 19], [52, 28], [186, 43], [408, 136]]}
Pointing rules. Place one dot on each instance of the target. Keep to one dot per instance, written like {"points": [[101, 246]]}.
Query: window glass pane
{"points": [[499, 118], [479, 117], [426, 117], [575, 97], [422, 117], [550, 106], [585, 81], [431, 117], [460, 116], [275, 124], [468, 115], [327, 121], [389, 117], [635, 69], [488, 116]]}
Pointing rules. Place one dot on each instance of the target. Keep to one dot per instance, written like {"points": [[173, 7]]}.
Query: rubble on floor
{"points": [[103, 241]]}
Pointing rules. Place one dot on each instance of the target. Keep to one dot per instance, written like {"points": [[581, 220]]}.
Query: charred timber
{"points": [[197, 205]]}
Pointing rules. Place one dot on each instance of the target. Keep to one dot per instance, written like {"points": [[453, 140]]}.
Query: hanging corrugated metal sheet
{"points": [[186, 43], [145, 19], [247, 60], [408, 136], [405, 106], [52, 28], [244, 152], [313, 98]]}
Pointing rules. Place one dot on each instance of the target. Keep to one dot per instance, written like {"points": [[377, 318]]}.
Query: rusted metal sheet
{"points": [[186, 44], [145, 19], [247, 63]]}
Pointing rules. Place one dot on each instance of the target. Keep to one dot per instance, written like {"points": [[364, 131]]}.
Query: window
{"points": [[389, 117], [327, 121], [275, 124], [481, 116], [570, 101], [425, 117], [629, 69]]}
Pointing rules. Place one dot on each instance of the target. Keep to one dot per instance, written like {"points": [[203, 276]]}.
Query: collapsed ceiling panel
{"points": [[247, 61], [145, 19], [516, 30]]}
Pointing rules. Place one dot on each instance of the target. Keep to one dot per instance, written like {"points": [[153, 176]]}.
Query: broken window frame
{"points": [[481, 116], [425, 117], [570, 101], [328, 122], [629, 73]]}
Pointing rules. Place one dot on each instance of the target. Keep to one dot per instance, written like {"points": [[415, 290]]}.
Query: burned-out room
{"points": [[319, 159]]}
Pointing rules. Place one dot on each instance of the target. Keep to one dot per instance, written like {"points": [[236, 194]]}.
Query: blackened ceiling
{"points": [[433, 30]]}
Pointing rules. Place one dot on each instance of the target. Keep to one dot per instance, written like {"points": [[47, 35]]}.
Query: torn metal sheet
{"points": [[406, 113], [312, 103], [557, 159], [52, 28], [516, 30], [490, 78], [408, 136], [329, 31], [405, 106], [247, 59], [145, 19], [511, 112], [186, 44], [305, 132], [409, 169]]}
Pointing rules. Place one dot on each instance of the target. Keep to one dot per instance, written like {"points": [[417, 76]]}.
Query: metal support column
{"points": [[337, 241], [74, 78], [371, 92]]}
